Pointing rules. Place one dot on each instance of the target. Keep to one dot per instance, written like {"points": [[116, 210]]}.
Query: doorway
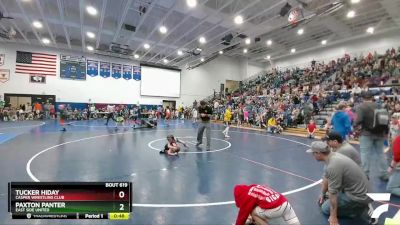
{"points": [[171, 104], [15, 100]]}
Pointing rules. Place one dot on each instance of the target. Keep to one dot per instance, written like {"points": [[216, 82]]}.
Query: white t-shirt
{"points": [[110, 108], [194, 113]]}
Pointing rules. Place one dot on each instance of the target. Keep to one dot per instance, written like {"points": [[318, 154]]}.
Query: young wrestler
{"points": [[172, 147]]}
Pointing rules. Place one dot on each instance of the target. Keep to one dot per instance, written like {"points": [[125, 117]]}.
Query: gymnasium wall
{"points": [[195, 84], [251, 68], [357, 45], [201, 81]]}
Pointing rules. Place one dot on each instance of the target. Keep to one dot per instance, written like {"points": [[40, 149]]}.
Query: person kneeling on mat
{"points": [[259, 203], [172, 147]]}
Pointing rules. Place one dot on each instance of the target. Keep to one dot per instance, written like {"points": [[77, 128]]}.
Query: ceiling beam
{"points": [[336, 26], [81, 19], [172, 9], [142, 19], [39, 6], [27, 20], [194, 28], [102, 31], [392, 10], [215, 13], [243, 27], [187, 16], [60, 7], [103, 12], [122, 19]]}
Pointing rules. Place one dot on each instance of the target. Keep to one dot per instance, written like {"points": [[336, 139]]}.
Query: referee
{"points": [[205, 113]]}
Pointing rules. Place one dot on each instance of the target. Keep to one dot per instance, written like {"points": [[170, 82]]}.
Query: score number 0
{"points": [[121, 194]]}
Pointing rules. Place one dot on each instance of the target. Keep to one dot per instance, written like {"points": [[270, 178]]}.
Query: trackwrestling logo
{"points": [[384, 208]]}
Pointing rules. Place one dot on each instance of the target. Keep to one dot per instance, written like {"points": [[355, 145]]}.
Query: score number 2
{"points": [[121, 194]]}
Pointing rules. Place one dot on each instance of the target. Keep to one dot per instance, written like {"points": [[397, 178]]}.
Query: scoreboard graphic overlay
{"points": [[70, 200]]}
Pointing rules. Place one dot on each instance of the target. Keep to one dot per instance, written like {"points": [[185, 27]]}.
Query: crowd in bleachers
{"points": [[45, 111], [294, 96], [362, 96]]}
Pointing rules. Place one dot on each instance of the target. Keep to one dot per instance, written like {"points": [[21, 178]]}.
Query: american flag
{"points": [[36, 63]]}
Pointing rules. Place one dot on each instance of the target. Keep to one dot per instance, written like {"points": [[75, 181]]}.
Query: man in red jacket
{"points": [[262, 203]]}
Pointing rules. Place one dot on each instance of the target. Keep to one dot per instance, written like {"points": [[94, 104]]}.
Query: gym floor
{"points": [[195, 187]]}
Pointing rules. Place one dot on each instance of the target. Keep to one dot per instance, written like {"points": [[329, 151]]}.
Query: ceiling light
{"points": [[91, 10], [293, 50], [300, 31], [146, 46], [238, 19], [269, 42], [221, 52], [247, 41], [370, 30], [165, 61], [90, 34], [355, 1], [202, 40], [198, 49], [202, 59], [46, 41], [163, 29], [323, 42], [191, 3], [136, 56], [268, 57], [180, 52], [37, 24], [351, 14], [245, 50], [90, 48]]}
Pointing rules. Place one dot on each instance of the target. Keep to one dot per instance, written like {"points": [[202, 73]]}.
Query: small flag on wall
{"points": [[92, 68], [4, 75], [33, 63], [127, 69], [137, 73], [116, 70], [105, 69], [37, 78]]}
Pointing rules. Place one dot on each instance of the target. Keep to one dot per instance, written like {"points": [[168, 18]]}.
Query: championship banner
{"points": [[4, 75], [105, 69], [73, 67], [2, 58], [137, 74], [116, 70], [37, 78], [92, 68], [127, 72]]}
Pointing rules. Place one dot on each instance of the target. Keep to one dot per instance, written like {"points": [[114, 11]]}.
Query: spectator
{"points": [[311, 128], [371, 140], [341, 121], [336, 142], [346, 185], [308, 112], [272, 125]]}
